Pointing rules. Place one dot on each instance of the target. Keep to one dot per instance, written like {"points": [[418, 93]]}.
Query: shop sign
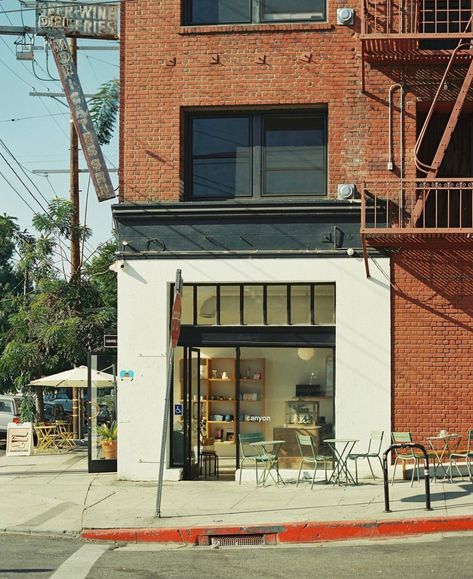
{"points": [[19, 439], [110, 341], [81, 115], [80, 20]]}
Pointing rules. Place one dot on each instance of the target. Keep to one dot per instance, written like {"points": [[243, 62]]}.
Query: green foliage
{"points": [[108, 433], [28, 409], [57, 321], [104, 109]]}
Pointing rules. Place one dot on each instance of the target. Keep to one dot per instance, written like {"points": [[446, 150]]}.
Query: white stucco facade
{"points": [[362, 354]]}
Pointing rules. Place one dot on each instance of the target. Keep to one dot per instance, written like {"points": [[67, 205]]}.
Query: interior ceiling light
{"points": [[305, 353]]}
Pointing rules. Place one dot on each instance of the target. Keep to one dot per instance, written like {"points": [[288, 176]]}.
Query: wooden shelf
{"points": [[220, 421], [223, 400], [224, 442]]}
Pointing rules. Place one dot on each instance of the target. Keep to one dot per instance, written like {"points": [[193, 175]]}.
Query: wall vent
{"points": [[346, 191], [345, 16]]}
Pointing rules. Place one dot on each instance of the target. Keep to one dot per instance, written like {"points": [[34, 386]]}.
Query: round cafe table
{"points": [[341, 448]]}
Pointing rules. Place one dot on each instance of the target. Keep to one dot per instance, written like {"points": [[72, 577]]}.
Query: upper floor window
{"points": [[257, 154], [254, 11]]}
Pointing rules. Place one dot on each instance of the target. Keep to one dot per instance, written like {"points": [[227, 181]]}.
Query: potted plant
{"points": [[108, 439]]}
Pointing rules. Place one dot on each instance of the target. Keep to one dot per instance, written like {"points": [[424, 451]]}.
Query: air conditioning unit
{"points": [[346, 191], [345, 16]]}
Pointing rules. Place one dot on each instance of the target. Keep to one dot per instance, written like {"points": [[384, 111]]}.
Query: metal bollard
{"points": [[426, 473]]}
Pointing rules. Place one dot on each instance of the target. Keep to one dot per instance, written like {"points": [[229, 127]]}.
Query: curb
{"points": [[313, 532]]}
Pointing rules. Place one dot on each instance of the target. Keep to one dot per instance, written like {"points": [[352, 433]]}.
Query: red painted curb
{"points": [[288, 532]]}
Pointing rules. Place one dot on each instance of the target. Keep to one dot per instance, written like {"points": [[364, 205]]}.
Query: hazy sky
{"points": [[36, 129]]}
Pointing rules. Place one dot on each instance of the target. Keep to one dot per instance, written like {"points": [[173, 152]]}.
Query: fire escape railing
{"points": [[386, 207], [416, 18]]}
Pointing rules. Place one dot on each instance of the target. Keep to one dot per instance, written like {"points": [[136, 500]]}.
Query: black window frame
{"points": [[264, 304], [256, 149], [256, 16]]}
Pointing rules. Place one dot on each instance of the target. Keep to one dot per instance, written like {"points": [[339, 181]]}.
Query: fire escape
{"points": [[408, 212]]}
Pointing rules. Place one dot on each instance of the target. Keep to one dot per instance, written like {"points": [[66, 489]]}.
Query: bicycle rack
{"points": [[426, 473]]}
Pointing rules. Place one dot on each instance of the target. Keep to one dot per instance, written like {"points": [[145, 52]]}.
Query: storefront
{"points": [[268, 345]]}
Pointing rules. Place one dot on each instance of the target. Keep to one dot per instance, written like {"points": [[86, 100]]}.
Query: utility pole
{"points": [[75, 241]]}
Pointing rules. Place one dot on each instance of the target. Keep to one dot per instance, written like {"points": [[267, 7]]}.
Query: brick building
{"points": [[269, 150]]}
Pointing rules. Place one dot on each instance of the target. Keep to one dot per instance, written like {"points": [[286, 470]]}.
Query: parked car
{"points": [[53, 411], [60, 399], [9, 411]]}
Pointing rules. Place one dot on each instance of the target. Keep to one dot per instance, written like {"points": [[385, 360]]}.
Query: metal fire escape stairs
{"points": [[431, 171]]}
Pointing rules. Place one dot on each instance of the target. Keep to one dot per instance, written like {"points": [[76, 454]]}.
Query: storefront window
{"points": [[206, 305], [274, 391], [253, 305], [187, 304], [258, 304], [300, 304], [230, 305], [277, 305], [324, 304]]}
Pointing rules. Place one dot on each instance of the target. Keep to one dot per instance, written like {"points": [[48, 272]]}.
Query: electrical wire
{"points": [[17, 192], [24, 171], [22, 182], [33, 117]]}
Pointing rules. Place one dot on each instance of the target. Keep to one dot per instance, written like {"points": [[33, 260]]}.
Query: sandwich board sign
{"points": [[19, 439]]}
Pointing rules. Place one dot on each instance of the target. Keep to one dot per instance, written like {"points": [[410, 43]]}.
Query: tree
{"points": [[104, 109], [60, 320]]}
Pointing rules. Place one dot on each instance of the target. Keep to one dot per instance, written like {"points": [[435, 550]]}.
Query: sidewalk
{"points": [[55, 494]]}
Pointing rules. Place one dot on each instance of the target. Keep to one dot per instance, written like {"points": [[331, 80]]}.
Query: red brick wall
{"points": [[432, 333], [167, 68]]}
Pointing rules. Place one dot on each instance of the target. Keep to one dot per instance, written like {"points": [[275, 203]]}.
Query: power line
{"points": [[17, 192], [22, 182], [33, 117], [23, 169]]}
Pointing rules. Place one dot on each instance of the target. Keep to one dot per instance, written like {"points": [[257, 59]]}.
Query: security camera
{"points": [[116, 266]]}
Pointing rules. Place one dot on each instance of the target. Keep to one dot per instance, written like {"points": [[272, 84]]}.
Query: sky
{"points": [[34, 131]]}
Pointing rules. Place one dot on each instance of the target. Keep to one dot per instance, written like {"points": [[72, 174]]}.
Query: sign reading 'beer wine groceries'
{"points": [[78, 19]]}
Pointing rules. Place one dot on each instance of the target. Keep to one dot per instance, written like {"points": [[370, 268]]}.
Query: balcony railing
{"points": [[447, 207], [416, 19]]}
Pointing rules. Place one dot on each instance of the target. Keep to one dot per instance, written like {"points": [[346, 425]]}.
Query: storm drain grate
{"points": [[237, 540]]}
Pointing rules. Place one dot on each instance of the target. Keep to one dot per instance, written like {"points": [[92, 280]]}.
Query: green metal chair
{"points": [[405, 455], [374, 451], [308, 455], [249, 453], [467, 456]]}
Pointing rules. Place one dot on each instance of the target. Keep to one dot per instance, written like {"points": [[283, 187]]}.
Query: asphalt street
{"points": [[416, 557]]}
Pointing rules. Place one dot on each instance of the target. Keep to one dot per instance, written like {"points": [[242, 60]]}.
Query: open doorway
{"points": [[220, 393]]}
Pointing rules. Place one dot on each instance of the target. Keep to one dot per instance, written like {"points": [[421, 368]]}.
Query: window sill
{"points": [[245, 28]]}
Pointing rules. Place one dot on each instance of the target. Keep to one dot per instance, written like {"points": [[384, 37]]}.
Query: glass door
{"points": [[192, 412], [102, 429]]}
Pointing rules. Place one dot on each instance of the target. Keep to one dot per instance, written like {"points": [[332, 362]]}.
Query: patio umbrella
{"points": [[75, 378]]}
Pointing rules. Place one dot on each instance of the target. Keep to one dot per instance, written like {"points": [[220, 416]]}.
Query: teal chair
{"points": [[249, 453], [405, 455], [309, 456], [374, 451], [466, 456]]}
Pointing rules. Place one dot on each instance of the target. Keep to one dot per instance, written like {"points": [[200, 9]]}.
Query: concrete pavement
{"points": [[55, 494]]}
